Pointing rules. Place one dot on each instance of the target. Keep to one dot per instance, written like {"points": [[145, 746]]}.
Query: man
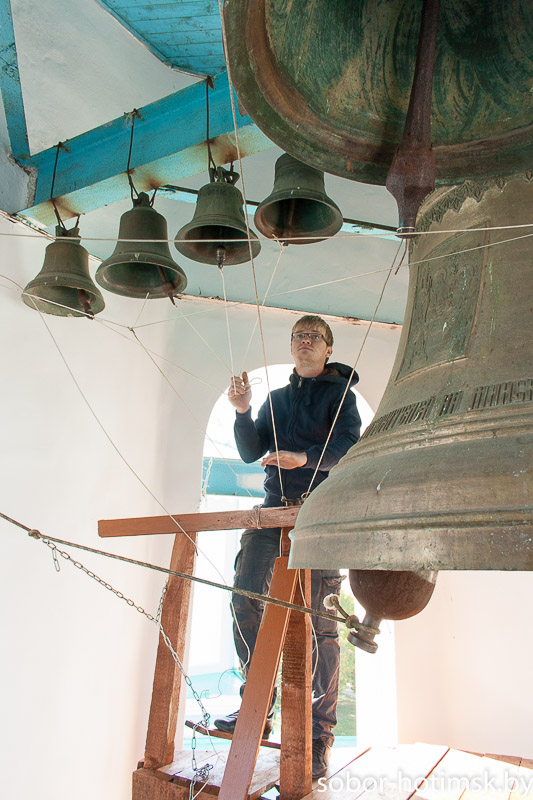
{"points": [[304, 411]]}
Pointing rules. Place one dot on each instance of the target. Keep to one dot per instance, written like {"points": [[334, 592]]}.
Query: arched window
{"points": [[230, 484]]}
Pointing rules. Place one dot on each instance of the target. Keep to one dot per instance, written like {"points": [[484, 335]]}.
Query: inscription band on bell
{"points": [[497, 394]]}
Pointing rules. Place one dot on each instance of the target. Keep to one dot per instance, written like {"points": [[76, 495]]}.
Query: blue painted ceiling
{"points": [[72, 71], [186, 34]]}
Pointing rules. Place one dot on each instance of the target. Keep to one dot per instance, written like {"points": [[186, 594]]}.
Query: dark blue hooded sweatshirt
{"points": [[304, 411]]}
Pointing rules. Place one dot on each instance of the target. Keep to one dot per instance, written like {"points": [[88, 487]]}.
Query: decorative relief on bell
{"points": [[446, 298]]}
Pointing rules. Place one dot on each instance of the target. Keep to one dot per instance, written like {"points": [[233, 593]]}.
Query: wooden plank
{"points": [[342, 757], [266, 774], [201, 521], [523, 789], [509, 759], [182, 760], [451, 776], [391, 772], [149, 785], [259, 686], [296, 723], [494, 781], [168, 684], [221, 735]]}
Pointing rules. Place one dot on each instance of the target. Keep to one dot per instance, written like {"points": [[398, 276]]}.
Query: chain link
{"points": [[200, 773]]}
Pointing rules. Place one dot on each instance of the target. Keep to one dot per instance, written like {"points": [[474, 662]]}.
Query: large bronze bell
{"points": [[63, 286], [298, 207], [144, 267], [443, 476], [330, 82], [217, 233]]}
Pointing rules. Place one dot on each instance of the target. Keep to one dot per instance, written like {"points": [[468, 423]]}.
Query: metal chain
{"points": [[161, 599], [35, 534], [200, 773]]}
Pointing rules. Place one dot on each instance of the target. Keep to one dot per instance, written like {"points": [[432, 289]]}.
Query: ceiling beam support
{"points": [[168, 144], [10, 85]]}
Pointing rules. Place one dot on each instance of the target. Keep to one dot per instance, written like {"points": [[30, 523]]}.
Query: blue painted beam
{"points": [[168, 144], [10, 85], [233, 477]]}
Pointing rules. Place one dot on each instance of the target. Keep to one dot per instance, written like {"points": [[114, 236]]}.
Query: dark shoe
{"points": [[321, 751], [227, 724]]}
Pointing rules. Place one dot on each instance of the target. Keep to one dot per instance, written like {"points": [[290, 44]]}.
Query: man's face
{"points": [[310, 351]]}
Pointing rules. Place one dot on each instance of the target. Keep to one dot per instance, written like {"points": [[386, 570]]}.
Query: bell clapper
{"points": [[221, 256], [166, 285], [85, 303]]}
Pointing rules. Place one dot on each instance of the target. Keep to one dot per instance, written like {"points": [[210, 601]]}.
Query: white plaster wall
{"points": [[80, 68], [77, 662], [464, 665]]}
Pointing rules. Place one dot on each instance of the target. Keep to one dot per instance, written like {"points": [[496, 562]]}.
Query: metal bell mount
{"points": [[298, 207], [64, 286], [142, 266], [217, 233]]}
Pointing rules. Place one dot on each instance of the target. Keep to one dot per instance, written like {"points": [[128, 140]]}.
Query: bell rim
{"points": [[183, 245], [285, 116], [276, 197], [60, 310], [114, 261]]}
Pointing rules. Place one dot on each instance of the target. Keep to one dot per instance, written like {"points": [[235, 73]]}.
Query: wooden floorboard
{"points": [[391, 772], [524, 781], [375, 773]]}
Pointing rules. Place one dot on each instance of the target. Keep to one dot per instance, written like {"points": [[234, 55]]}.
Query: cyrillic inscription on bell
{"points": [[442, 478]]}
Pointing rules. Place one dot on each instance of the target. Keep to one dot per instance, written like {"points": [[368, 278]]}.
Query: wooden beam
{"points": [[201, 521], [10, 85], [168, 681], [259, 686], [296, 722], [169, 145]]}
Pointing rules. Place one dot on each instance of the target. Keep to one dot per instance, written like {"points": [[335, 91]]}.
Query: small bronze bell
{"points": [[298, 207], [218, 219], [143, 267], [63, 286]]}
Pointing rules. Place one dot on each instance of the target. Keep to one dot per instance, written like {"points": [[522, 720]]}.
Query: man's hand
{"points": [[239, 393], [287, 459]]}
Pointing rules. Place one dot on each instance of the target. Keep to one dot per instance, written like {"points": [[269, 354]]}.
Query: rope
{"points": [[356, 362], [156, 620], [359, 275], [35, 534], [123, 459], [239, 157], [226, 310], [266, 239], [213, 351], [193, 415], [282, 246]]}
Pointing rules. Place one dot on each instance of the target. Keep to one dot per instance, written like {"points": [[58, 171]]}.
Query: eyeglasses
{"points": [[301, 335]]}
